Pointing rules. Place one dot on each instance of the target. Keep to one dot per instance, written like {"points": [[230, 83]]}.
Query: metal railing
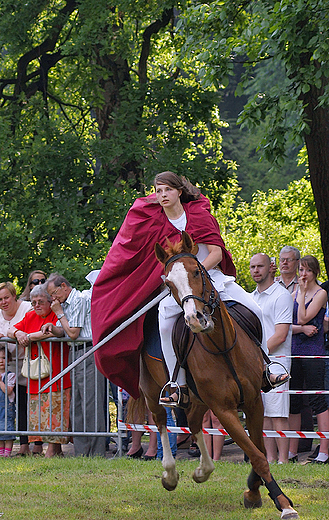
{"points": [[58, 430]]}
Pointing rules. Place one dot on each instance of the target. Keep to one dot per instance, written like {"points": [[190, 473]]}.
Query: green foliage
{"points": [[91, 109], [253, 174], [291, 39], [269, 222], [285, 38], [96, 99]]}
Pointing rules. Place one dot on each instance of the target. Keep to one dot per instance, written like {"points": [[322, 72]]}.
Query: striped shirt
{"points": [[292, 285], [77, 311]]}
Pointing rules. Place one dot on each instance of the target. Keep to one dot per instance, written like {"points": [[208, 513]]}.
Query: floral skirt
{"points": [[46, 418]]}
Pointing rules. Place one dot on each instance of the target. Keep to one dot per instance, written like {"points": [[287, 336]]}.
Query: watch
{"points": [[60, 316]]}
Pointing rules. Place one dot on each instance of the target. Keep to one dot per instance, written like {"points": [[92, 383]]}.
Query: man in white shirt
{"points": [[277, 306]]}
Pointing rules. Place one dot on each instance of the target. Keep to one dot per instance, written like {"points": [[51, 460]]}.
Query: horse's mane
{"points": [[175, 249]]}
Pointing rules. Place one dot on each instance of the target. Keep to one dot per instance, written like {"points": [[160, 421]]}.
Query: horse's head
{"points": [[189, 282]]}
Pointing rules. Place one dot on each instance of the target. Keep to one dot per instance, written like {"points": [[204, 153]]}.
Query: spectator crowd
{"points": [[295, 315]]}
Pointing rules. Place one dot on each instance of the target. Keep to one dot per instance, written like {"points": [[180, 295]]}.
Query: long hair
{"points": [[312, 263], [26, 293], [189, 192]]}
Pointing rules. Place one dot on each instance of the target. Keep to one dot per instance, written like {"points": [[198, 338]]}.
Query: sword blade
{"points": [[116, 331]]}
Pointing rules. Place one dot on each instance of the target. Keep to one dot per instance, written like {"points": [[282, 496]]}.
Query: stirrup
{"points": [[180, 391], [267, 383]]}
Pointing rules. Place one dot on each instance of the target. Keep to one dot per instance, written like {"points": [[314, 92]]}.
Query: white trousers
{"points": [[169, 310]]}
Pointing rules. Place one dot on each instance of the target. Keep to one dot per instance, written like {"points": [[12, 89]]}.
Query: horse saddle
{"points": [[247, 319], [183, 339]]}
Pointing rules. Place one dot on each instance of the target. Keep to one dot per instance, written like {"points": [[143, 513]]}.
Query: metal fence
{"points": [[58, 430]]}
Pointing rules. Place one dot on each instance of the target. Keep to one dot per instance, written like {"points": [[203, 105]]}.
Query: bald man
{"points": [[277, 306]]}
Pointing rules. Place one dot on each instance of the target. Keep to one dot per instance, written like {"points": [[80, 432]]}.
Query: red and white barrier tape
{"points": [[294, 392], [214, 431], [299, 357]]}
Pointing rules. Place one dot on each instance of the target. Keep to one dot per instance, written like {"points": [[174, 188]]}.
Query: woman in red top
{"points": [[28, 331]]}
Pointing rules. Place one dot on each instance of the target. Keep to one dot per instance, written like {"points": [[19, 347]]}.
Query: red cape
{"points": [[131, 276]]}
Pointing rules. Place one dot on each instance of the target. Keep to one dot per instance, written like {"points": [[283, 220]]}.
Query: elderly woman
{"points": [[12, 311], [28, 331]]}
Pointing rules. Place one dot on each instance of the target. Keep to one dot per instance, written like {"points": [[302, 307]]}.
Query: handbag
{"points": [[34, 365]]}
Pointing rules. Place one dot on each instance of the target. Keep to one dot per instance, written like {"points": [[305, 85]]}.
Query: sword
{"points": [[116, 331]]}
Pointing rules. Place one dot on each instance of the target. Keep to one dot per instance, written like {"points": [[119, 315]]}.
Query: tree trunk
{"points": [[317, 144]]}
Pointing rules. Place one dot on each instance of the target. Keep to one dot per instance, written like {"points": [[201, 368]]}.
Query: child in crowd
{"points": [[6, 380]]}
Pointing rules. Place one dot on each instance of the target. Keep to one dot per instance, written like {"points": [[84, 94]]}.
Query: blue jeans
{"points": [[172, 437]]}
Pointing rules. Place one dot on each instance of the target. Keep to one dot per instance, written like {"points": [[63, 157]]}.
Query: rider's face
{"points": [[167, 196]]}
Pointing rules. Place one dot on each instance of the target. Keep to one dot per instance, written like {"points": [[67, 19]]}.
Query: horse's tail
{"points": [[136, 409]]}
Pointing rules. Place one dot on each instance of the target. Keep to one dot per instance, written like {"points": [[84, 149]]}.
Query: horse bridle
{"points": [[212, 303], [214, 300]]}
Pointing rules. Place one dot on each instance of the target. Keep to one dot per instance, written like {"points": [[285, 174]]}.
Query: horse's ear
{"points": [[160, 253], [188, 244]]}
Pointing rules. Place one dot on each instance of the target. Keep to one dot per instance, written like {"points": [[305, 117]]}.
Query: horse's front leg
{"points": [[203, 472], [170, 475]]}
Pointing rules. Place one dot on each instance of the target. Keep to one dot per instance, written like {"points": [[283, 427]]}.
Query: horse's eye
{"points": [[196, 273]]}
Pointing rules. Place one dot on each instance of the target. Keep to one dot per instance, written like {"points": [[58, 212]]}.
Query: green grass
{"points": [[122, 489]]}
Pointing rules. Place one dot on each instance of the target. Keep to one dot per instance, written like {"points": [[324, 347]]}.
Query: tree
{"points": [[91, 108], [269, 222], [293, 35], [241, 144]]}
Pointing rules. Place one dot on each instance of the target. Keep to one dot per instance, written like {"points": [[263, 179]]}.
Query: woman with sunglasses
{"points": [[12, 311], [35, 278]]}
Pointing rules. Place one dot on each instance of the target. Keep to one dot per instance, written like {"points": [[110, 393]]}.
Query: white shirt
{"points": [[23, 308], [277, 306]]}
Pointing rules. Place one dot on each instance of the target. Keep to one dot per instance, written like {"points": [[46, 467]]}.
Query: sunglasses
{"points": [[36, 281]]}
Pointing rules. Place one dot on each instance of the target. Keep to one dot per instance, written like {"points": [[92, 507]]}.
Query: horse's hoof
{"points": [[200, 476], [167, 485], [251, 505], [288, 514]]}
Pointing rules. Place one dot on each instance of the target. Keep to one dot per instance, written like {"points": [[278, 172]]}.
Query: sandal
{"points": [[271, 381], [182, 443], [194, 450], [178, 399]]}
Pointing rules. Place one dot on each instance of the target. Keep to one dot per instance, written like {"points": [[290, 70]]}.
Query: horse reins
{"points": [[212, 303]]}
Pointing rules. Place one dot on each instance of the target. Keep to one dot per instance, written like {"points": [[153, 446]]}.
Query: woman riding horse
{"points": [[131, 275], [225, 369]]}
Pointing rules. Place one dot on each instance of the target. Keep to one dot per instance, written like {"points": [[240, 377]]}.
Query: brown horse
{"points": [[227, 369]]}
